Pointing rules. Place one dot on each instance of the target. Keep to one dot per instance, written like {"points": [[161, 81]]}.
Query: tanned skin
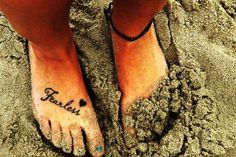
{"points": [[140, 64], [61, 103]]}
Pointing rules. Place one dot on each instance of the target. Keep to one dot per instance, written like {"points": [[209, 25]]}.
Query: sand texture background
{"points": [[192, 114]]}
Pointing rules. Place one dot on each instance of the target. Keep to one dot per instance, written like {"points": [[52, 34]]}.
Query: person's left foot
{"points": [[140, 67], [61, 103]]}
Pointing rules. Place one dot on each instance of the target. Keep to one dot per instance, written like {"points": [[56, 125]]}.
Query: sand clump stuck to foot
{"points": [[179, 119], [191, 114]]}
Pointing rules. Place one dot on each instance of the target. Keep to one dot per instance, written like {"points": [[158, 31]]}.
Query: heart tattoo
{"points": [[82, 103]]}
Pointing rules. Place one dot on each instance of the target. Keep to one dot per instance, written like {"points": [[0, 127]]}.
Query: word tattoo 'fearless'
{"points": [[68, 106]]}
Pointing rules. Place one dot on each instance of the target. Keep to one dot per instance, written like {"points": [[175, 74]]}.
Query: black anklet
{"points": [[108, 13]]}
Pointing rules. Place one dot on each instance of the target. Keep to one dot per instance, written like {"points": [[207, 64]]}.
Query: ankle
{"points": [[62, 49], [129, 26], [130, 22]]}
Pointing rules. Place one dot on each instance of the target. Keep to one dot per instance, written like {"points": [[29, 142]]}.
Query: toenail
{"points": [[99, 148], [48, 136], [66, 150], [57, 144], [63, 144], [79, 152]]}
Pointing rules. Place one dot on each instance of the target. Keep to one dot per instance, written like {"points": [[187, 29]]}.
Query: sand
{"points": [[191, 114]]}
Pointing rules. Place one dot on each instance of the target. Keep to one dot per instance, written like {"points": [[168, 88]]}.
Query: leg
{"points": [[140, 63], [131, 16], [43, 24], [60, 100]]}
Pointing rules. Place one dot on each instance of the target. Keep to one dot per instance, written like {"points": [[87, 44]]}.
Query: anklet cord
{"points": [[108, 13]]}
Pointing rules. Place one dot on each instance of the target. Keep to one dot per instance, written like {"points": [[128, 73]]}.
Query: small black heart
{"points": [[82, 103]]}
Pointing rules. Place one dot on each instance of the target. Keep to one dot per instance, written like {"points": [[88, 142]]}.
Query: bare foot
{"points": [[140, 67], [61, 103]]}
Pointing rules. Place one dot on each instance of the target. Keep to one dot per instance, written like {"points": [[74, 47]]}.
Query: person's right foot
{"points": [[140, 63], [140, 68], [61, 104]]}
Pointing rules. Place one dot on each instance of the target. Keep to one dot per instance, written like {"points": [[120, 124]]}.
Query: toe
{"points": [[94, 140], [56, 133], [130, 136], [78, 142], [129, 129], [45, 127], [66, 142]]}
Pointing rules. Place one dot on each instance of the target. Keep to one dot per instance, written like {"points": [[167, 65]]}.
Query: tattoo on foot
{"points": [[68, 106], [82, 103]]}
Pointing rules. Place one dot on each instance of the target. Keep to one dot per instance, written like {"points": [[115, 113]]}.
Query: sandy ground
{"points": [[192, 114]]}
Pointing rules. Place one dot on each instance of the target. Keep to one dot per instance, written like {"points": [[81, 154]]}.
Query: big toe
{"points": [[95, 142], [130, 133], [130, 136]]}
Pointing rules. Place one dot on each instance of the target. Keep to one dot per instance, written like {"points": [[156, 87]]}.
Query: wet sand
{"points": [[191, 114]]}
